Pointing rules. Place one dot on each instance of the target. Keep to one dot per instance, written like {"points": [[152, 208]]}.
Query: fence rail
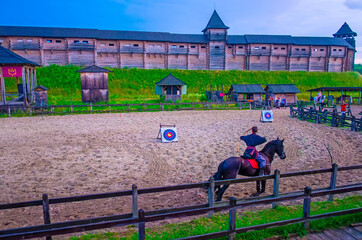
{"points": [[326, 117], [132, 107], [131, 218]]}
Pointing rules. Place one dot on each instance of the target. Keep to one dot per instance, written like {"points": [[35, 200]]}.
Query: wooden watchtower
{"points": [[171, 88], [94, 83]]}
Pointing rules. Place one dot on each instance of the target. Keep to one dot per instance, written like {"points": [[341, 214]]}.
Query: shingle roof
{"points": [[9, 57], [40, 86], [164, 36], [246, 88], [170, 80], [345, 30], [281, 88], [215, 22], [93, 69], [335, 89]]}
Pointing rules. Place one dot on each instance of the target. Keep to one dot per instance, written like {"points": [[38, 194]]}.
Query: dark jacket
{"points": [[252, 140]]}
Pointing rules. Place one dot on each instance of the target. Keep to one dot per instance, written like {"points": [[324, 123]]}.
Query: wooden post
{"points": [[306, 207], [46, 212], [91, 108], [28, 93], [211, 193], [291, 111], [162, 106], [24, 88], [145, 107], [2, 87], [359, 97], [353, 124], [232, 219], [141, 225], [32, 84], [9, 111], [127, 107], [35, 77], [276, 186], [333, 179], [109, 109], [134, 201], [249, 105]]}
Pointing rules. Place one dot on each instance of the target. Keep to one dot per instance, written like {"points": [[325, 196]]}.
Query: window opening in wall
{"points": [[303, 49], [334, 50], [135, 45], [322, 49], [127, 45], [276, 48], [297, 49], [256, 47], [111, 44], [151, 45], [283, 48], [230, 47], [85, 41], [173, 46], [217, 47], [20, 40], [203, 46], [29, 40], [76, 41], [49, 41], [102, 44], [263, 47], [58, 41], [241, 47], [193, 46], [315, 49], [159, 46], [182, 46], [339, 50]]}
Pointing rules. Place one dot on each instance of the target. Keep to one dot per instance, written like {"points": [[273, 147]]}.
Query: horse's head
{"points": [[280, 148]]}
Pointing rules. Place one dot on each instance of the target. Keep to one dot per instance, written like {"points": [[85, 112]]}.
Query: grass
{"points": [[137, 85], [220, 222]]}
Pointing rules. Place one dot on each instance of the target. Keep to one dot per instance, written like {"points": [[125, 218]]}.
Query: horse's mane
{"points": [[268, 145]]}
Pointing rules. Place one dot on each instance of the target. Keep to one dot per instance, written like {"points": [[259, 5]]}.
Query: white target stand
{"points": [[266, 116], [168, 133]]}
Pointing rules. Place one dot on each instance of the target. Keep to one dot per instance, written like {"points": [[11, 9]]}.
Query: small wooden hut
{"points": [[245, 92], [171, 87], [40, 95], [14, 66], [283, 91], [94, 81]]}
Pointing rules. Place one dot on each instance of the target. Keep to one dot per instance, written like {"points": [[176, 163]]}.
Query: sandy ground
{"points": [[86, 154]]}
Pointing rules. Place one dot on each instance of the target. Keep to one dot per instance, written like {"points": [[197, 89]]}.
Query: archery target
{"points": [[267, 116], [169, 134]]}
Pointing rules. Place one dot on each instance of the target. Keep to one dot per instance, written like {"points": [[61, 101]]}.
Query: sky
{"points": [[290, 17]]}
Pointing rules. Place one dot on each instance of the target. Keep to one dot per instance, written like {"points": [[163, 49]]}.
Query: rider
{"points": [[251, 141]]}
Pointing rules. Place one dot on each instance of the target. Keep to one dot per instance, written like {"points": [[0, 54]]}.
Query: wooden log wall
{"points": [[214, 55]]}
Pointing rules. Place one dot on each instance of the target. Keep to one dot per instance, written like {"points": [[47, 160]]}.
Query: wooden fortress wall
{"points": [[215, 55]]}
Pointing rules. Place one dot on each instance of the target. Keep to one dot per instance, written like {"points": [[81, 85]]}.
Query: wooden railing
{"points": [[141, 217], [327, 117], [135, 107]]}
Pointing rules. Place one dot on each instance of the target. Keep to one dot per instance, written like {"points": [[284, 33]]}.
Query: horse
{"points": [[232, 166]]}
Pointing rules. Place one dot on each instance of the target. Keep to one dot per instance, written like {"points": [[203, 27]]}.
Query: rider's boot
{"points": [[261, 172]]}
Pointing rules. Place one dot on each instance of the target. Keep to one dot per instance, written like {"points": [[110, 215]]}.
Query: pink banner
{"points": [[12, 71]]}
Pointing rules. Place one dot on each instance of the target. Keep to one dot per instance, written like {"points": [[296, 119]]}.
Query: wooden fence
{"points": [[327, 117], [10, 110], [141, 217]]}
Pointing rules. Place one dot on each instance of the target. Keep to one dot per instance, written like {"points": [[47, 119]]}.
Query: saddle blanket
{"points": [[253, 163]]}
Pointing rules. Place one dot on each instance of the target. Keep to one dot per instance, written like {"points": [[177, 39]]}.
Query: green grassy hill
{"points": [[138, 84]]}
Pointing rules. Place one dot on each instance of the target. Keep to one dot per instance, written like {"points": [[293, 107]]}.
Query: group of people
{"points": [[280, 102], [320, 99]]}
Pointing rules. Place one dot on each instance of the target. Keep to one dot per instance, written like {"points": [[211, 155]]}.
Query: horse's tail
{"points": [[218, 174]]}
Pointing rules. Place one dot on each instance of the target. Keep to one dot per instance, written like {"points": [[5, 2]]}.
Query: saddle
{"points": [[250, 155]]}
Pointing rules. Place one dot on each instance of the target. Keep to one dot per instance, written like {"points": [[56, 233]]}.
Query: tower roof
{"points": [[215, 22], [170, 80], [93, 69], [345, 30]]}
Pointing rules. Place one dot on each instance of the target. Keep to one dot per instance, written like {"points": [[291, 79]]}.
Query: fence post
{"points": [[291, 111], [30, 108], [91, 108], [333, 179], [353, 123], [127, 107], [71, 109], [109, 109], [232, 219], [145, 107], [141, 225], [46, 213], [134, 201], [306, 207], [211, 193], [249, 105], [9, 111], [163, 106], [316, 117], [276, 185]]}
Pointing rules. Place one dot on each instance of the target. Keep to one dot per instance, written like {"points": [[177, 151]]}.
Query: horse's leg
{"points": [[258, 186], [221, 192], [263, 183]]}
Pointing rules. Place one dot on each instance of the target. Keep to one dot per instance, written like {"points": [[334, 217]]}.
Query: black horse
{"points": [[231, 167]]}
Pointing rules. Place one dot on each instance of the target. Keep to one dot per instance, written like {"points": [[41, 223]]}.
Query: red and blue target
{"points": [[267, 115], [169, 134]]}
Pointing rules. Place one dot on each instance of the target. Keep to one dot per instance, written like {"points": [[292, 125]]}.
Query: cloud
{"points": [[354, 4]]}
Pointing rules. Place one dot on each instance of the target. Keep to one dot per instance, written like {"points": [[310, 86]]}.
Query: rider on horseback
{"points": [[251, 141]]}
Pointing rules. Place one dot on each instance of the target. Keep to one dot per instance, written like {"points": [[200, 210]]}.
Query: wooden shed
{"points": [[171, 87], [245, 92], [283, 91], [40, 95], [94, 81]]}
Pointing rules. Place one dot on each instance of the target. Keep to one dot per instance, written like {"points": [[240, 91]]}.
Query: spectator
{"points": [[343, 108], [283, 102], [277, 102]]}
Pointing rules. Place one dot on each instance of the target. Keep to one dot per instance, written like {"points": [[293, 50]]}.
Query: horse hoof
{"points": [[255, 194]]}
